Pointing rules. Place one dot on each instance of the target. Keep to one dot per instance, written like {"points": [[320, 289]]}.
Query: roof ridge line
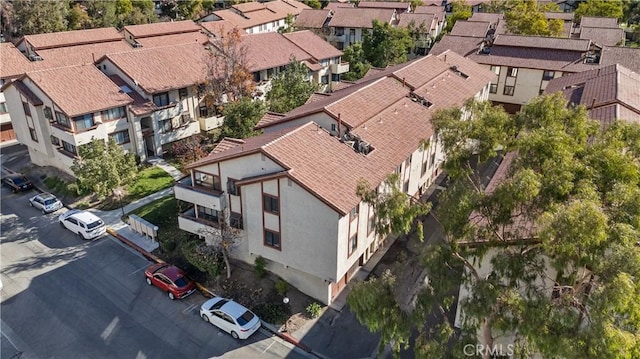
{"points": [[288, 133]]}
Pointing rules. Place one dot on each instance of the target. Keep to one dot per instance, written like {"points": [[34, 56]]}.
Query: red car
{"points": [[170, 279]]}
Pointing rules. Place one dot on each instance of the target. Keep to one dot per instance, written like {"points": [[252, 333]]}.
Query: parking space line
{"points": [[190, 308], [267, 348], [138, 270]]}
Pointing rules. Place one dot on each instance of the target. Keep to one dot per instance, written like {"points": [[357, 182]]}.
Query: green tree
{"points": [[526, 17], [600, 8], [103, 167], [36, 17], [102, 13], [78, 18], [240, 118], [386, 45], [358, 65], [395, 211], [579, 186], [189, 9], [415, 4], [289, 21], [460, 10], [314, 4], [290, 88]]}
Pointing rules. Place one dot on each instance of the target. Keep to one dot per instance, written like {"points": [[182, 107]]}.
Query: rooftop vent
{"points": [[35, 58]]}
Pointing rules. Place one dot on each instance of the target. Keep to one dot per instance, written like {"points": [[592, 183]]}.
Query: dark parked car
{"points": [[170, 279], [17, 182]]}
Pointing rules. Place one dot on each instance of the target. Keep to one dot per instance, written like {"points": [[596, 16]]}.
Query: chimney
{"points": [[593, 103], [403, 81], [339, 125]]}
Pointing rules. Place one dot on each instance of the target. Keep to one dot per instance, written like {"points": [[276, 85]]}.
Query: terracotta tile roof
{"points": [[541, 42], [590, 21], [598, 89], [313, 44], [603, 36], [543, 59], [79, 89], [70, 38], [489, 17], [420, 72], [231, 147], [270, 49], [431, 3], [162, 28], [286, 7], [79, 55], [12, 62], [628, 57], [462, 45], [140, 105], [312, 18], [247, 15], [173, 39], [470, 28], [334, 5], [438, 11], [215, 28], [418, 19], [161, 69], [405, 6], [360, 17]]}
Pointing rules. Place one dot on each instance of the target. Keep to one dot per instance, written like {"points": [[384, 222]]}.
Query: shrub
{"points": [[83, 205], [281, 287], [313, 310], [168, 246], [203, 257], [274, 313], [260, 265]]}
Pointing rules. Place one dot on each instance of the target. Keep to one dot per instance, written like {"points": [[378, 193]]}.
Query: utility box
{"points": [[140, 225]]}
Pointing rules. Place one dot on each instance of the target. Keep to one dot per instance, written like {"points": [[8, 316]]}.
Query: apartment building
{"points": [[604, 31], [316, 20], [258, 17], [291, 191], [53, 120], [347, 25], [135, 33], [399, 7]]}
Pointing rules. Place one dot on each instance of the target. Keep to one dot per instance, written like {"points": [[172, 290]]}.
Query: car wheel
{"points": [[81, 236], [171, 296], [234, 335], [61, 224], [31, 203], [148, 281], [205, 318], [43, 211]]}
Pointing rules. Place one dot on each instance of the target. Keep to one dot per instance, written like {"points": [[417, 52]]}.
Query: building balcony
{"points": [[210, 123], [186, 191], [172, 110], [187, 221], [340, 68]]}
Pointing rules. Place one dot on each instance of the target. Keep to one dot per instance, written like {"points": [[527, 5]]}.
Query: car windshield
{"points": [[19, 180], [245, 318], [49, 201], [219, 304], [95, 224], [182, 282]]}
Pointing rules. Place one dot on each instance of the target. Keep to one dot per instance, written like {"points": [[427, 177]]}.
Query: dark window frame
{"points": [[493, 88], [509, 93], [26, 108], [512, 71], [352, 244], [272, 239], [159, 99], [127, 138], [548, 75], [268, 205]]}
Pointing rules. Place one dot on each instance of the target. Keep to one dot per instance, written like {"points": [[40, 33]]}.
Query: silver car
{"points": [[45, 202]]}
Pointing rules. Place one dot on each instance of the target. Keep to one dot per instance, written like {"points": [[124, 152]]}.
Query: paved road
{"points": [[67, 298]]}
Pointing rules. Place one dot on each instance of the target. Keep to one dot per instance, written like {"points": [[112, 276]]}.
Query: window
{"points": [[271, 239], [166, 126], [508, 90], [548, 75], [48, 114], [353, 244], [204, 111], [182, 93], [161, 99], [495, 70], [256, 76], [335, 77], [121, 137], [69, 147], [34, 135], [371, 226], [55, 141], [424, 167], [325, 79], [26, 108], [512, 71], [493, 88], [271, 203], [232, 188], [340, 45], [339, 31], [208, 214], [84, 122], [113, 114], [405, 188], [334, 127], [3, 107], [352, 33], [354, 212], [235, 220], [208, 180]]}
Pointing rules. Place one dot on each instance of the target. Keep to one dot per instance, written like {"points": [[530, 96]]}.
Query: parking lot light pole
{"points": [[119, 193]]}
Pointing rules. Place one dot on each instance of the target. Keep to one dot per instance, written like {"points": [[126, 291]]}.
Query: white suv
{"points": [[45, 202], [85, 224]]}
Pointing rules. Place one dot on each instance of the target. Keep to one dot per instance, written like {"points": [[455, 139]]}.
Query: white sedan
{"points": [[45, 202], [230, 316]]}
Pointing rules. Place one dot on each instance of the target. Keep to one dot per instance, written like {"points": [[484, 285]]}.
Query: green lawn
{"points": [[164, 214], [150, 180]]}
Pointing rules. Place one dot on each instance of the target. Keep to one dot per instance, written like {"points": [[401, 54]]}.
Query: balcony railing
{"points": [[340, 68], [185, 190], [187, 221], [172, 110]]}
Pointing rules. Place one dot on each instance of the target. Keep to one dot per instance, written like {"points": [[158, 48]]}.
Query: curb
{"points": [[290, 339], [146, 254]]}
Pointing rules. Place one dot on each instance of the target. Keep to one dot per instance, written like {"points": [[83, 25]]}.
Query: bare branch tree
{"points": [[223, 239]]}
